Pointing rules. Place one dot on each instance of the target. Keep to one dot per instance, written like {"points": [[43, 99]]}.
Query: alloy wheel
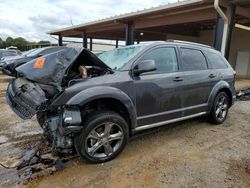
{"points": [[221, 108], [104, 140]]}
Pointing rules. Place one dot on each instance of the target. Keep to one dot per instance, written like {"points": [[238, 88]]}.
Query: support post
{"points": [[84, 40], [230, 32], [90, 44], [129, 33], [218, 33], [116, 43], [60, 40]]}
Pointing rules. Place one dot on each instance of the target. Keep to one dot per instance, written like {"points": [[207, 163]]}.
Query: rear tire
{"points": [[103, 137], [219, 109]]}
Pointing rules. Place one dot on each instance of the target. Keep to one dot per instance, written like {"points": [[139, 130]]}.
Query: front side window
{"points": [[216, 61], [165, 59], [193, 59]]}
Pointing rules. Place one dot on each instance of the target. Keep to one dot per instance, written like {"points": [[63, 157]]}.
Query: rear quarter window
{"points": [[193, 59], [216, 61]]}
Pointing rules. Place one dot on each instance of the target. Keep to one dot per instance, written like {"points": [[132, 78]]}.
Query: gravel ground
{"points": [[192, 153]]}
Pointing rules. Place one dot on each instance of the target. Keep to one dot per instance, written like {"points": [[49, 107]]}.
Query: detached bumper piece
{"points": [[24, 97]]}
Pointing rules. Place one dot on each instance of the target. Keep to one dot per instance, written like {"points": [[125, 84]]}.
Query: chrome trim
{"points": [[172, 111], [168, 121]]}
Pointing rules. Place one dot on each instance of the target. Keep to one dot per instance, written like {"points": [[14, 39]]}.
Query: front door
{"points": [[158, 92]]}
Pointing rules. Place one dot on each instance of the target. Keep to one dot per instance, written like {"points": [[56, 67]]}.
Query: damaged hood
{"points": [[52, 68]]}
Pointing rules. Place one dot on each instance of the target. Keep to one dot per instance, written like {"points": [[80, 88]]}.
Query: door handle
{"points": [[178, 79], [212, 76]]}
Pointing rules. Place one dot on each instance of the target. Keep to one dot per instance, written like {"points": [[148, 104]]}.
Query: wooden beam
{"points": [[243, 11], [185, 10], [106, 28], [189, 17]]}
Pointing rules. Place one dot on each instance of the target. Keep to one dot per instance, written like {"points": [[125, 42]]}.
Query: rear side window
{"points": [[193, 59], [165, 59], [216, 61]]}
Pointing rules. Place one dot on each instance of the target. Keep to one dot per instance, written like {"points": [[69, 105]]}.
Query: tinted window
{"points": [[216, 61], [193, 59], [165, 59]]}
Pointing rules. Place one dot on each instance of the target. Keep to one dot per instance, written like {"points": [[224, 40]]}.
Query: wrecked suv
{"points": [[94, 104]]}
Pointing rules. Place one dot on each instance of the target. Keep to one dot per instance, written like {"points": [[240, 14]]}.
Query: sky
{"points": [[31, 19]]}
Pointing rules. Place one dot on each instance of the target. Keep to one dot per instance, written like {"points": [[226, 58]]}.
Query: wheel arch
{"points": [[219, 87], [109, 97]]}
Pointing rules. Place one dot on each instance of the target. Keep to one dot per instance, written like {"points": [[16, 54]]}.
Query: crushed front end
{"points": [[59, 124], [24, 97], [39, 82]]}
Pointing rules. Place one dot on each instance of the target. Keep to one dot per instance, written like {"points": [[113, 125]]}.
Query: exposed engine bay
{"points": [[59, 128], [40, 81]]}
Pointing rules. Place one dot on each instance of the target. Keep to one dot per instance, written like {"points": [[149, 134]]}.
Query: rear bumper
{"points": [[24, 97]]}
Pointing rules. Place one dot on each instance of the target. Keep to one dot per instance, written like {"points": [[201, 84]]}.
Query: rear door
{"points": [[197, 83], [158, 92]]}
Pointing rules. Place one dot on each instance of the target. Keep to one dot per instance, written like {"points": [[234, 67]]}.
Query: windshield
{"points": [[118, 57]]}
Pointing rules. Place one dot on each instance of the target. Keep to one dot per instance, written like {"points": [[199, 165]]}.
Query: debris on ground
{"points": [[244, 94], [39, 161]]}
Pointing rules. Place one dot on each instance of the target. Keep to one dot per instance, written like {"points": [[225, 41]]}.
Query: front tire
{"points": [[103, 137], [219, 109]]}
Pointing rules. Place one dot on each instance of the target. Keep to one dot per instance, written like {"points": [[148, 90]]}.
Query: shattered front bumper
{"points": [[24, 97]]}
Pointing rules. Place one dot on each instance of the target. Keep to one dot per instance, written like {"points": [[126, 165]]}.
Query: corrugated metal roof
{"points": [[128, 15]]}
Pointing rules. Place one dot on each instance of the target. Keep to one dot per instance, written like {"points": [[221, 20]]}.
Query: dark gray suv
{"points": [[92, 104]]}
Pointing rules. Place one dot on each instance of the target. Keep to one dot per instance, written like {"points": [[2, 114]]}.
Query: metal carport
{"points": [[186, 18]]}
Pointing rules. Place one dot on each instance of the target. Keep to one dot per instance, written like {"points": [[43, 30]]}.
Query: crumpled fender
{"points": [[99, 92], [220, 85]]}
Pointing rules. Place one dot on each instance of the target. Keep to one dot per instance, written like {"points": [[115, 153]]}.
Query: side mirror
{"points": [[144, 66]]}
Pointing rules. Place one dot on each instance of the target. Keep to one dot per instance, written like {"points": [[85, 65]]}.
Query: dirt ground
{"points": [[242, 84], [192, 153]]}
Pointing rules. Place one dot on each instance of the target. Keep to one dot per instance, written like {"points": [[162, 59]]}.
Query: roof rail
{"points": [[187, 42]]}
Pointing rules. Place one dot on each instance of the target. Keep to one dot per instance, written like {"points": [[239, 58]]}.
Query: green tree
{"points": [[2, 44], [44, 42], [20, 43], [9, 40]]}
